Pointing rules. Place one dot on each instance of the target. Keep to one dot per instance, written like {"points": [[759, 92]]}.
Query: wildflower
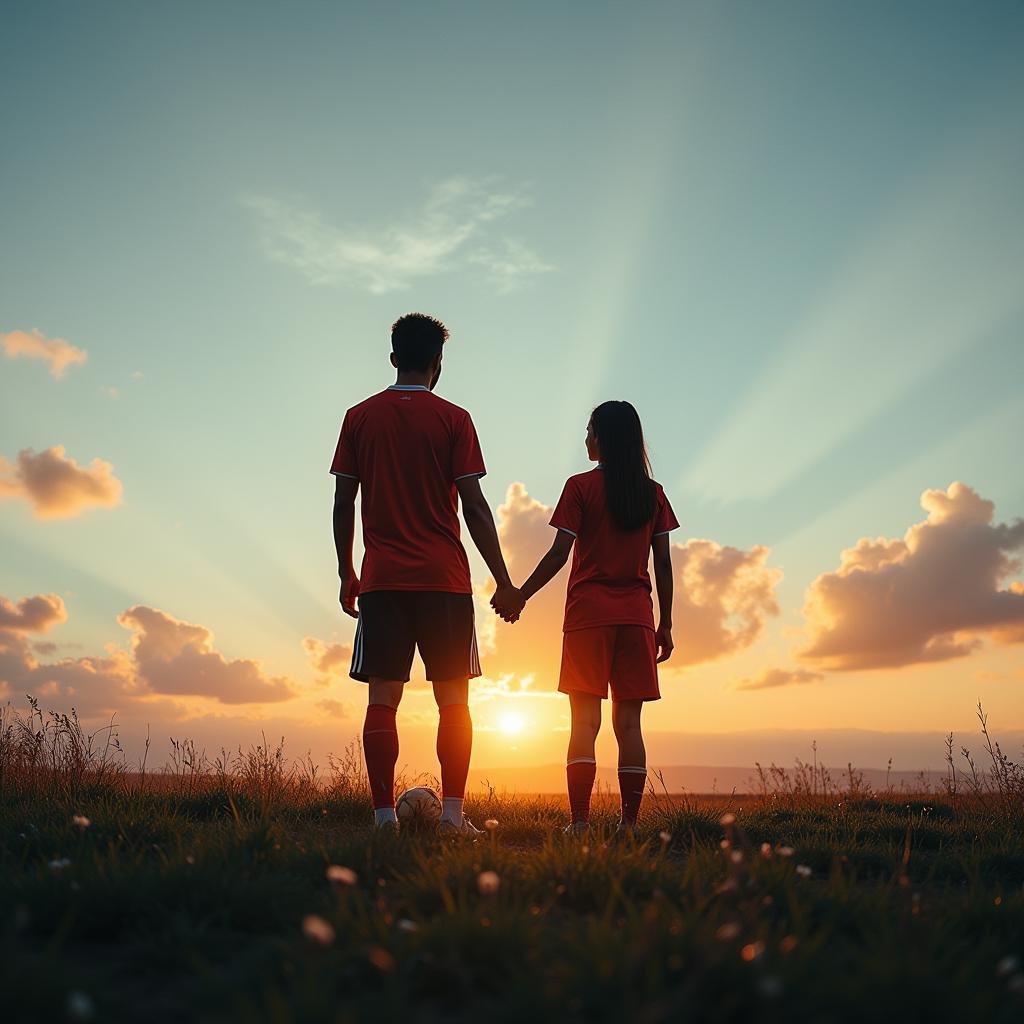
{"points": [[381, 959], [766, 850], [785, 851], [80, 1006], [727, 819], [405, 925], [60, 863], [728, 931], [724, 844], [1008, 965], [491, 824], [736, 856], [317, 930], [338, 875], [81, 821], [804, 871], [190, 858], [488, 883], [665, 837], [751, 951]]}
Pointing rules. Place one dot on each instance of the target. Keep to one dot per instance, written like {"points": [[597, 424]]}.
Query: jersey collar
{"points": [[408, 387]]}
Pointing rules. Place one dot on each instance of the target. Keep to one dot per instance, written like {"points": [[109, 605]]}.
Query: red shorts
{"points": [[624, 656]]}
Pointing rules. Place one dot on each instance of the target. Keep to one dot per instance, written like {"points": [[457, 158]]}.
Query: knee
{"points": [[625, 724]]}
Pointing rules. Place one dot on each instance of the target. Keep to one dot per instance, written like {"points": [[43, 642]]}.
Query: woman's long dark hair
{"points": [[627, 470]]}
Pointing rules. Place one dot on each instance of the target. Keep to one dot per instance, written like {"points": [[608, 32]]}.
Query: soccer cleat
{"points": [[465, 830], [388, 827], [577, 830], [625, 833]]}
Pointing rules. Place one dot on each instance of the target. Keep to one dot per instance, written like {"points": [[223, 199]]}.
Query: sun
{"points": [[511, 723]]}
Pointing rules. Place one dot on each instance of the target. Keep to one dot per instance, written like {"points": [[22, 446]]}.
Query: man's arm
{"points": [[663, 581], [547, 568], [480, 524], [345, 488]]}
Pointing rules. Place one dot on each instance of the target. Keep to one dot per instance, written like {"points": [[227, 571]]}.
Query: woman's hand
{"points": [[663, 642], [508, 602]]}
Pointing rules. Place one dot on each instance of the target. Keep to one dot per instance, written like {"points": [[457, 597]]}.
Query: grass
{"points": [[203, 895]]}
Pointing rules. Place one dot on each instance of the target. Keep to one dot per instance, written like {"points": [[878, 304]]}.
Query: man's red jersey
{"points": [[609, 584], [407, 447]]}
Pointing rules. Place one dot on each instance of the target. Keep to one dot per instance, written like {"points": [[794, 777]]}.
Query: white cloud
{"points": [[457, 212], [35, 345]]}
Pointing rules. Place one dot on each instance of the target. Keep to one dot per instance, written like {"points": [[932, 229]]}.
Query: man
{"points": [[414, 455]]}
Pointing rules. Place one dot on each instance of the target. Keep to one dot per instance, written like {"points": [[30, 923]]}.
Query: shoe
{"points": [[465, 830], [625, 833], [577, 830], [387, 828]]}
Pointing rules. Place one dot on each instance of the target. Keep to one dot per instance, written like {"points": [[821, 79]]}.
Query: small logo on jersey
{"points": [[405, 398]]}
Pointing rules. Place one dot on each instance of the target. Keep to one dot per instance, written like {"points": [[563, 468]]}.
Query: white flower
{"points": [[81, 821], [60, 864], [766, 850], [405, 925], [80, 1006], [491, 824], [736, 856], [727, 819], [665, 837], [488, 883], [317, 930], [804, 871], [785, 851], [338, 875]]}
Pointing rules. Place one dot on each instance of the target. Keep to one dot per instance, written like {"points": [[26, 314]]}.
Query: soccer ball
{"points": [[418, 807]]}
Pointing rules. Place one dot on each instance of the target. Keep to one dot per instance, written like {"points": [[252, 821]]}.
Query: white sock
{"points": [[384, 815], [451, 809]]}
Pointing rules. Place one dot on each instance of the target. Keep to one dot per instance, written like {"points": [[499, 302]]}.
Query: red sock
{"points": [[454, 746], [380, 748], [632, 780], [580, 773]]}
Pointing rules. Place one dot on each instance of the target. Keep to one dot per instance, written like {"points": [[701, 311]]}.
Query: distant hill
{"points": [[550, 778]]}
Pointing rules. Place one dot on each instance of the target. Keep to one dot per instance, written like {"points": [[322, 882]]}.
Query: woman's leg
{"points": [[580, 762], [632, 756]]}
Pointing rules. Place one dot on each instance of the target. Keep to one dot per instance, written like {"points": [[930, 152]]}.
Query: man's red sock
{"points": [[632, 780], [380, 748], [454, 747], [580, 773]]}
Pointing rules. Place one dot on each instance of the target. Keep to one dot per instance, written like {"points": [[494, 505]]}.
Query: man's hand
{"points": [[508, 602], [348, 595], [663, 641]]}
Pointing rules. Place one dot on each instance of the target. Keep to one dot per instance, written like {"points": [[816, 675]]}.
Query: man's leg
{"points": [[380, 746], [580, 761], [454, 744], [632, 756]]}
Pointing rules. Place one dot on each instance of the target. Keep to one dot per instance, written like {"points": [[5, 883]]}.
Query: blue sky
{"points": [[792, 234]]}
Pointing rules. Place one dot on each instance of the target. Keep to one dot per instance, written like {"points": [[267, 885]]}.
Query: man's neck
{"points": [[411, 379]]}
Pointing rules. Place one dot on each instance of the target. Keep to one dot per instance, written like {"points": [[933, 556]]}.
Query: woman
{"points": [[611, 518]]}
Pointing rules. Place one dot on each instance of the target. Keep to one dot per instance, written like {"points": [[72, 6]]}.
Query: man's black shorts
{"points": [[393, 623]]}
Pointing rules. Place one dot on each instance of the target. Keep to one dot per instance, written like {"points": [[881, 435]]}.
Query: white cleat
{"points": [[577, 830], [462, 830]]}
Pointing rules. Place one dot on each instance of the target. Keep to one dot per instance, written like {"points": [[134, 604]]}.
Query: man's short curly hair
{"points": [[416, 340]]}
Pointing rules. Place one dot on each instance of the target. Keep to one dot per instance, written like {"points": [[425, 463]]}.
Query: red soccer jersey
{"points": [[407, 447], [609, 584]]}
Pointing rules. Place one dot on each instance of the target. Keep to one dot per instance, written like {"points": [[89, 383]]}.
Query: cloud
{"points": [[335, 708], [168, 657], [723, 596], [56, 486], [769, 678], [327, 659], [931, 596], [32, 614], [35, 345], [457, 215], [175, 657]]}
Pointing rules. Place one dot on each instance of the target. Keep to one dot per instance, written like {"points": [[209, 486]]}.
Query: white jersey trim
{"points": [[465, 476], [351, 476]]}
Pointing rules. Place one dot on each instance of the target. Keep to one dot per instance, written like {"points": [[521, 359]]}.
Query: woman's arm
{"points": [[548, 566], [663, 580]]}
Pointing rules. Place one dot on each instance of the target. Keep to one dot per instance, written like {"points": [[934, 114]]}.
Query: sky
{"points": [[791, 234]]}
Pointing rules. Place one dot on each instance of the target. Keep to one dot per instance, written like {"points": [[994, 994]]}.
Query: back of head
{"points": [[416, 340], [627, 469]]}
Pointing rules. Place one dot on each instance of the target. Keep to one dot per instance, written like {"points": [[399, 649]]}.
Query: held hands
{"points": [[508, 602], [663, 643], [349, 593]]}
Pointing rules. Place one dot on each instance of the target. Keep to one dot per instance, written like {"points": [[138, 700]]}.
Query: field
{"points": [[252, 890]]}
